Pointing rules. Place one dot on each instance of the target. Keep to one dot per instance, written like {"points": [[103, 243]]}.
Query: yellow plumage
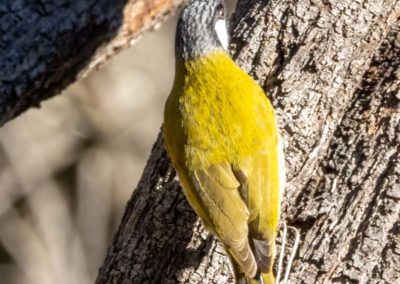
{"points": [[221, 134]]}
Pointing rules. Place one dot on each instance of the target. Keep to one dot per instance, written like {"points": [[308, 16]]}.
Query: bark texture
{"points": [[332, 71], [46, 45]]}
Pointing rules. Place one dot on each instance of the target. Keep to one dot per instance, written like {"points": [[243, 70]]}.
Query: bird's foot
{"points": [[282, 253]]}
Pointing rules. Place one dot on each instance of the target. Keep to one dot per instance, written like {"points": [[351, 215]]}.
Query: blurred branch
{"points": [[47, 45], [332, 71]]}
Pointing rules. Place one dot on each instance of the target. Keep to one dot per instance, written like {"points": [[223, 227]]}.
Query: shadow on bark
{"points": [[161, 246]]}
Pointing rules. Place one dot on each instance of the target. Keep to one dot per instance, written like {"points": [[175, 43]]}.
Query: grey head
{"points": [[196, 32]]}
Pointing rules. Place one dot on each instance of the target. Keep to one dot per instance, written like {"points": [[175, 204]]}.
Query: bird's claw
{"points": [[282, 252]]}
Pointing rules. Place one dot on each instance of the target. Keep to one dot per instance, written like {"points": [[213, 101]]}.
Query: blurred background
{"points": [[68, 168]]}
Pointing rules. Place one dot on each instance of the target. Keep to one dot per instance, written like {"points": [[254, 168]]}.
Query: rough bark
{"points": [[331, 69], [47, 45]]}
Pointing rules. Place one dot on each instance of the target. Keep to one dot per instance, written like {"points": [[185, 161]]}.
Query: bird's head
{"points": [[201, 29]]}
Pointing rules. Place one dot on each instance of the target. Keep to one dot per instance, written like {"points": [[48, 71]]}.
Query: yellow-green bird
{"points": [[221, 134]]}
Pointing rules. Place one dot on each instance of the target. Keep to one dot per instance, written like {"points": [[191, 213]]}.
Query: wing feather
{"points": [[217, 187], [241, 205], [260, 175]]}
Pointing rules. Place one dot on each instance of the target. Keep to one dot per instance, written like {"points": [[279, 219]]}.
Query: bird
{"points": [[220, 132]]}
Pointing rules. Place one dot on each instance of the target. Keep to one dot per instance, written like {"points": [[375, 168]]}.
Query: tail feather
{"points": [[244, 256], [267, 278], [264, 252], [253, 262]]}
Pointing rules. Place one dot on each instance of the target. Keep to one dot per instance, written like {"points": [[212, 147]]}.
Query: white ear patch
{"points": [[222, 33]]}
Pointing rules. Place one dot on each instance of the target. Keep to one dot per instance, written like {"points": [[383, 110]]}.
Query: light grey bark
{"points": [[331, 69], [47, 45]]}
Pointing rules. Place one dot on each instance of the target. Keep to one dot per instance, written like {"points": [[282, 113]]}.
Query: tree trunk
{"points": [[331, 69], [47, 45]]}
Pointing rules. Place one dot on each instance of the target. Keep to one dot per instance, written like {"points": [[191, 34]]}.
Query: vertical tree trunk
{"points": [[332, 71]]}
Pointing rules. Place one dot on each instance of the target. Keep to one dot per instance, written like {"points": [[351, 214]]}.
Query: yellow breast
{"points": [[216, 113]]}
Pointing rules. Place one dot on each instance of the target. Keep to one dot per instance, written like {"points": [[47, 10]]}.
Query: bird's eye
{"points": [[221, 12]]}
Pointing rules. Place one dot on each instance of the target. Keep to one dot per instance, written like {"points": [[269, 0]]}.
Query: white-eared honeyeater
{"points": [[221, 134]]}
